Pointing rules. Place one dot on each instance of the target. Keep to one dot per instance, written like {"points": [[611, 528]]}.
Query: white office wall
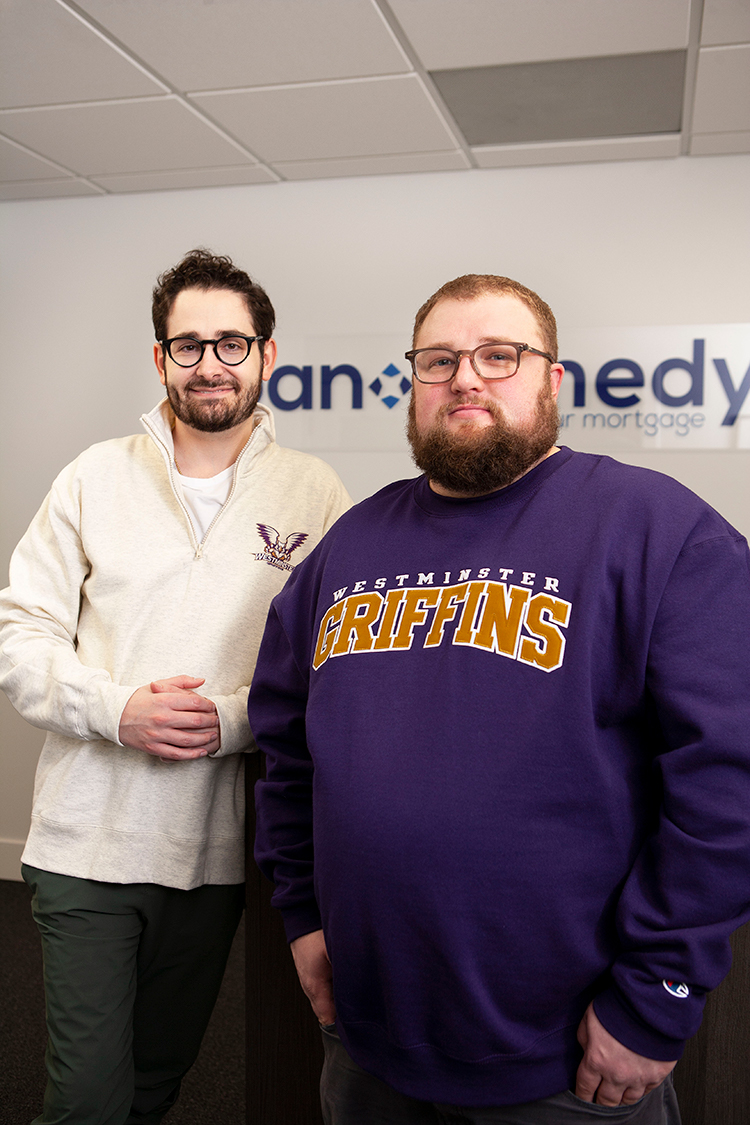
{"points": [[644, 243]]}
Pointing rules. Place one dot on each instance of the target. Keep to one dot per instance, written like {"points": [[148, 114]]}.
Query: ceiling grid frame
{"points": [[691, 73], [412, 127], [431, 90], [169, 90]]}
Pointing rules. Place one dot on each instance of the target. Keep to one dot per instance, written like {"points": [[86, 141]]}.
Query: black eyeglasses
{"points": [[490, 361], [231, 350]]}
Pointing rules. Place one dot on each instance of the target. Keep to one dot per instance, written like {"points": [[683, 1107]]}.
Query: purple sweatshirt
{"points": [[508, 771]]}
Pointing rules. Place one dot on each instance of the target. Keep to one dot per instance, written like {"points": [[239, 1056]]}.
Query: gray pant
{"points": [[350, 1096], [131, 974]]}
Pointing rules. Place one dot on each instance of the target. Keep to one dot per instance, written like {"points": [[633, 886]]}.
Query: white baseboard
{"points": [[10, 859]]}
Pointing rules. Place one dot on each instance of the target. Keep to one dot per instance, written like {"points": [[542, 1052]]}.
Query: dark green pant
{"points": [[131, 975]]}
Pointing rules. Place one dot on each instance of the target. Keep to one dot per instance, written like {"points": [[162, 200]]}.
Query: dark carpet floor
{"points": [[213, 1093]]}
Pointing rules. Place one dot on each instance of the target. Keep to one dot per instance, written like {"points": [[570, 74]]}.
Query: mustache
{"points": [[471, 400], [209, 385]]}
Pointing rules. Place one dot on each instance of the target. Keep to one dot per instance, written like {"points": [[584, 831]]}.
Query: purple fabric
{"points": [[537, 795]]}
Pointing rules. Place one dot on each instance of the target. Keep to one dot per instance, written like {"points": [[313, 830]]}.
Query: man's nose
{"points": [[209, 363], [465, 377]]}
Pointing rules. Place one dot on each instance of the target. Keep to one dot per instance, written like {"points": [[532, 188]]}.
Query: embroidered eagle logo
{"points": [[280, 550]]}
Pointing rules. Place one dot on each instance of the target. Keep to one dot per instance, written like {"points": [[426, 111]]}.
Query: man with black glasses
{"points": [[129, 631], [509, 703]]}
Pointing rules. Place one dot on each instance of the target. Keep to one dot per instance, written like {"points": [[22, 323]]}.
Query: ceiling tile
{"points": [[46, 189], [150, 134], [201, 45], [321, 88], [717, 144], [451, 34], [578, 152], [725, 21], [17, 164], [567, 99], [372, 165], [368, 117], [722, 90], [38, 43], [186, 178]]}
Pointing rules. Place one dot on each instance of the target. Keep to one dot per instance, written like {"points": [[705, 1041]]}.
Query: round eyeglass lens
{"points": [[186, 351], [232, 349]]}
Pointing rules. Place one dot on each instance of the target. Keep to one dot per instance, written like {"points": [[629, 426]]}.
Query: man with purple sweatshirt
{"points": [[506, 713]]}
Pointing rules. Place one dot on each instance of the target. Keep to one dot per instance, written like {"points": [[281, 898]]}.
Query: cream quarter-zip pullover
{"points": [[112, 587]]}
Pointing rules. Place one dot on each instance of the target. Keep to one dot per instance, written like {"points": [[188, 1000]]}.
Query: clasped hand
{"points": [[167, 718]]}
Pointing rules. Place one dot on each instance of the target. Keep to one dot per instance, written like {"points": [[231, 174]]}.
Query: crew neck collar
{"points": [[516, 493]]}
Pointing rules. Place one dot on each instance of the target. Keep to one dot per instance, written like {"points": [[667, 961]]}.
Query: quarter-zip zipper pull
{"points": [[199, 551]]}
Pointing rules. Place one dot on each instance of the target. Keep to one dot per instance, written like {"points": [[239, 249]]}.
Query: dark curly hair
{"points": [[200, 269]]}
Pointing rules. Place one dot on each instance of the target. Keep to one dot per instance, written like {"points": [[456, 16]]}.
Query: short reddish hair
{"points": [[473, 285]]}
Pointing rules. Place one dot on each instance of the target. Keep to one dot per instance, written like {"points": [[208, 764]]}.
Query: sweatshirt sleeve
{"points": [[690, 885], [39, 667], [284, 832], [236, 736]]}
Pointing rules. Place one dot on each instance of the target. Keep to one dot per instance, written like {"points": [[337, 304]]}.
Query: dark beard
{"points": [[477, 462], [213, 417]]}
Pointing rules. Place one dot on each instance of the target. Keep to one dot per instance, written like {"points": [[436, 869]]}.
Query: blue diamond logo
{"points": [[402, 386]]}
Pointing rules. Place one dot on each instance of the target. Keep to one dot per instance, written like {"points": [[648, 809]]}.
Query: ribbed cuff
{"points": [[236, 736], [620, 1020], [300, 920], [104, 703]]}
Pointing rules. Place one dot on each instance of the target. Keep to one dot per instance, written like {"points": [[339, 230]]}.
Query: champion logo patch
{"points": [[674, 988]]}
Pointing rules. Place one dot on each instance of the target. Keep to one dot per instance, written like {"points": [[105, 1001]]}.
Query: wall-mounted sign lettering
{"points": [[625, 389]]}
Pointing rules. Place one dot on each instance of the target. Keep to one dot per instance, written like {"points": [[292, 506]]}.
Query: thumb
{"points": [[177, 683]]}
